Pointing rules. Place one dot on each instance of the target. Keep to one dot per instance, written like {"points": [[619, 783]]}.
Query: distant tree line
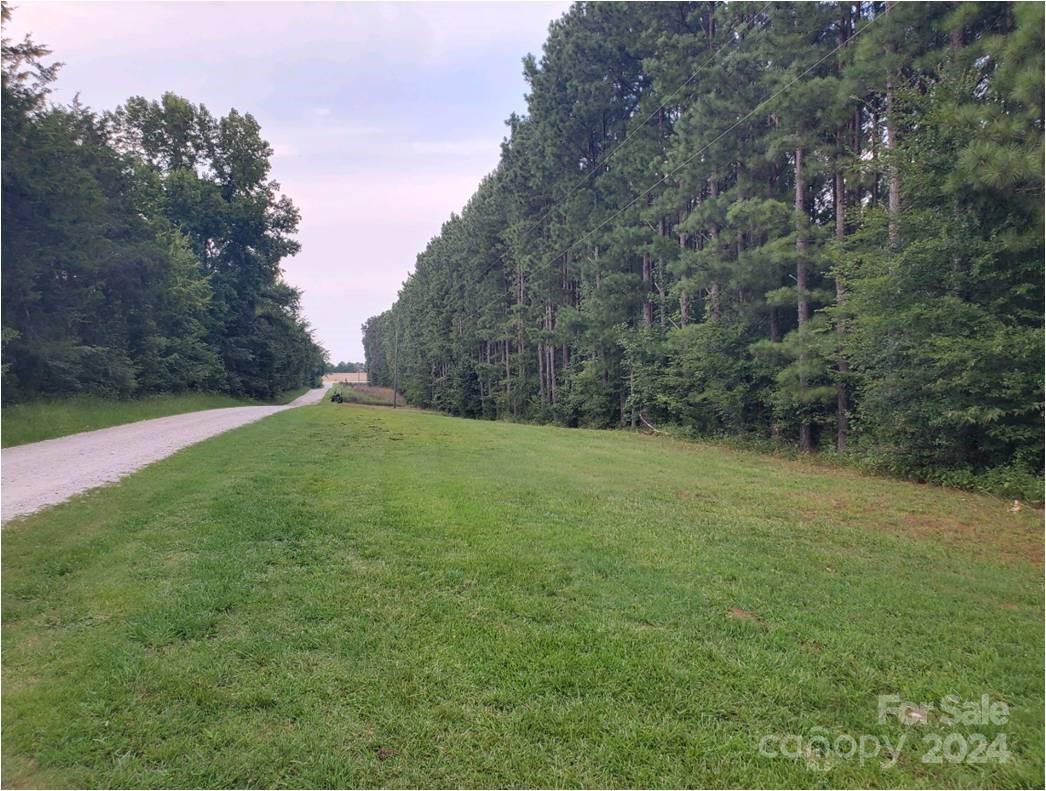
{"points": [[346, 368], [817, 223], [141, 248]]}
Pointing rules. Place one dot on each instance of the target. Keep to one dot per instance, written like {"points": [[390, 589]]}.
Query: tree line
{"points": [[343, 367], [141, 248], [815, 223]]}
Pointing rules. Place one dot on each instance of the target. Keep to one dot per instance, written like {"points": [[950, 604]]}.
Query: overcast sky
{"points": [[383, 116]]}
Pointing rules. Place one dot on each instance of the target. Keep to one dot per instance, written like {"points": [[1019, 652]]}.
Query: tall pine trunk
{"points": [[684, 296], [550, 352], [713, 287], [648, 305], [802, 244], [894, 200], [842, 419], [842, 364], [521, 347]]}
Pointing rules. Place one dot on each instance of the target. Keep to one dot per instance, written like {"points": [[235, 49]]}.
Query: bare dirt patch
{"points": [[744, 615], [1010, 542]]}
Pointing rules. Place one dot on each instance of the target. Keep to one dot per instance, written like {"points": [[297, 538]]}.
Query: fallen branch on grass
{"points": [[647, 423]]}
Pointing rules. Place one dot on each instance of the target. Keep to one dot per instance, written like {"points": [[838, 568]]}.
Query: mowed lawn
{"points": [[357, 596]]}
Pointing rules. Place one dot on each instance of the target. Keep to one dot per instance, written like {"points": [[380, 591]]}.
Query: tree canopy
{"points": [[142, 248], [816, 223]]}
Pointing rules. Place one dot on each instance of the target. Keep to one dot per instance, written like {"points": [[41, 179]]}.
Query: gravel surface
{"points": [[44, 473]]}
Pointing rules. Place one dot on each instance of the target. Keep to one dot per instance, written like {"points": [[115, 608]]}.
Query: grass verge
{"points": [[352, 596], [368, 395], [45, 419]]}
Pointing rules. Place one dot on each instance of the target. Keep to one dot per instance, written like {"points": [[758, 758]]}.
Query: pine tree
{"points": [[734, 219]]}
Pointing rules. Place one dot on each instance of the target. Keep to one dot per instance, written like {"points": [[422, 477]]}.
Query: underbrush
{"points": [[1014, 481], [370, 395]]}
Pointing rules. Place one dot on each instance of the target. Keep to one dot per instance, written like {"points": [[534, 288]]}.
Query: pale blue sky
{"points": [[383, 116]]}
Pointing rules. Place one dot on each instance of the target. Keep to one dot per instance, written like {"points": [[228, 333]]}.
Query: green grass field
{"points": [[361, 596], [45, 419]]}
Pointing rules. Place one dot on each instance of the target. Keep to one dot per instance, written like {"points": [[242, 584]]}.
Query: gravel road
{"points": [[44, 473]]}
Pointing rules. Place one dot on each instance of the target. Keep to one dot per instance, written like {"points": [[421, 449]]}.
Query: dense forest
{"points": [[816, 224], [141, 248]]}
